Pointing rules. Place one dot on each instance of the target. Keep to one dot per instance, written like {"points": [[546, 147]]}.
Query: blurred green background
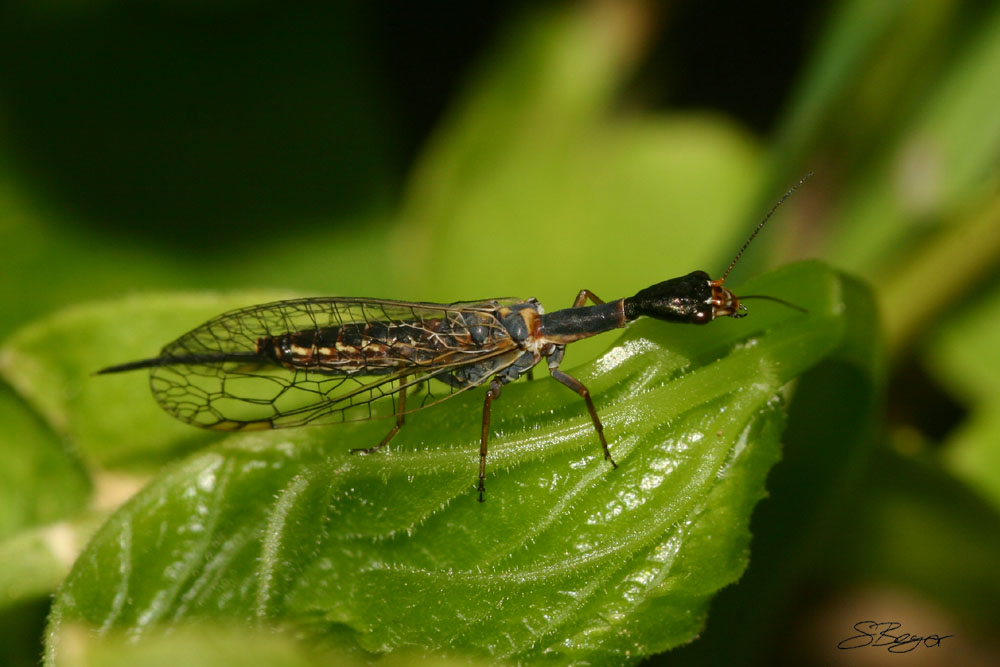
{"points": [[534, 149]]}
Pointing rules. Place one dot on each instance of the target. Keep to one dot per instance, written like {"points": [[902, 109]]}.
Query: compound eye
{"points": [[701, 317]]}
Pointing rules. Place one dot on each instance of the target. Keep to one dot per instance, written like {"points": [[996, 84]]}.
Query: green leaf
{"points": [[216, 644], [940, 151], [537, 171], [965, 356], [568, 558], [40, 480], [36, 560]]}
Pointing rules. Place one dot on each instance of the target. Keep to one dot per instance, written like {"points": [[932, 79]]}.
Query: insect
{"points": [[331, 360]]}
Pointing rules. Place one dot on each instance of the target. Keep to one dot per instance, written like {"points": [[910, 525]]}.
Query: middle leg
{"points": [[491, 395], [554, 359]]}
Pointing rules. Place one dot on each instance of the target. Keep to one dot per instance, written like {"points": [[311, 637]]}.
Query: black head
{"points": [[694, 298]]}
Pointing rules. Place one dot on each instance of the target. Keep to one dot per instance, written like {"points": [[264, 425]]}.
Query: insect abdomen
{"points": [[371, 347]]}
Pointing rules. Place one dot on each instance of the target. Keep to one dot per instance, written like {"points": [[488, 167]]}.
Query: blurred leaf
{"points": [[217, 644], [945, 152], [942, 273], [40, 481], [625, 208], [214, 145], [861, 74], [965, 355], [36, 560], [537, 186], [567, 557], [895, 113], [917, 528]]}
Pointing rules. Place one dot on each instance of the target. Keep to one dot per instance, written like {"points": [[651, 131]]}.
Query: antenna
{"points": [[761, 224], [775, 299]]}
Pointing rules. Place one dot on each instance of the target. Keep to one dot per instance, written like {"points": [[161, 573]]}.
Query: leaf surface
{"points": [[567, 559]]}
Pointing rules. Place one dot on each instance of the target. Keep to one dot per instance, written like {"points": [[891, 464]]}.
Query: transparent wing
{"points": [[328, 360]]}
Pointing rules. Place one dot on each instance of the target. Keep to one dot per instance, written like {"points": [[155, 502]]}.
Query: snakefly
{"points": [[329, 360]]}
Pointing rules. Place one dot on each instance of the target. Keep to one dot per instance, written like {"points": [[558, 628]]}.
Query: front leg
{"points": [[554, 360], [582, 297]]}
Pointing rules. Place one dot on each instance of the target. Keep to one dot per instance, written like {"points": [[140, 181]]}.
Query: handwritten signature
{"points": [[871, 633]]}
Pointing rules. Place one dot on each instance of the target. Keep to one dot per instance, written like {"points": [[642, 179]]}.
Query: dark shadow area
{"points": [[738, 58], [204, 126]]}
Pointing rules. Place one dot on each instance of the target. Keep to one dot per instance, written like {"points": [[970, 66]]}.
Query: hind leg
{"points": [[400, 415]]}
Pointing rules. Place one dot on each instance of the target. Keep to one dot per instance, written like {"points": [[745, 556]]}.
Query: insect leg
{"points": [[400, 412], [493, 393], [579, 388], [582, 297]]}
